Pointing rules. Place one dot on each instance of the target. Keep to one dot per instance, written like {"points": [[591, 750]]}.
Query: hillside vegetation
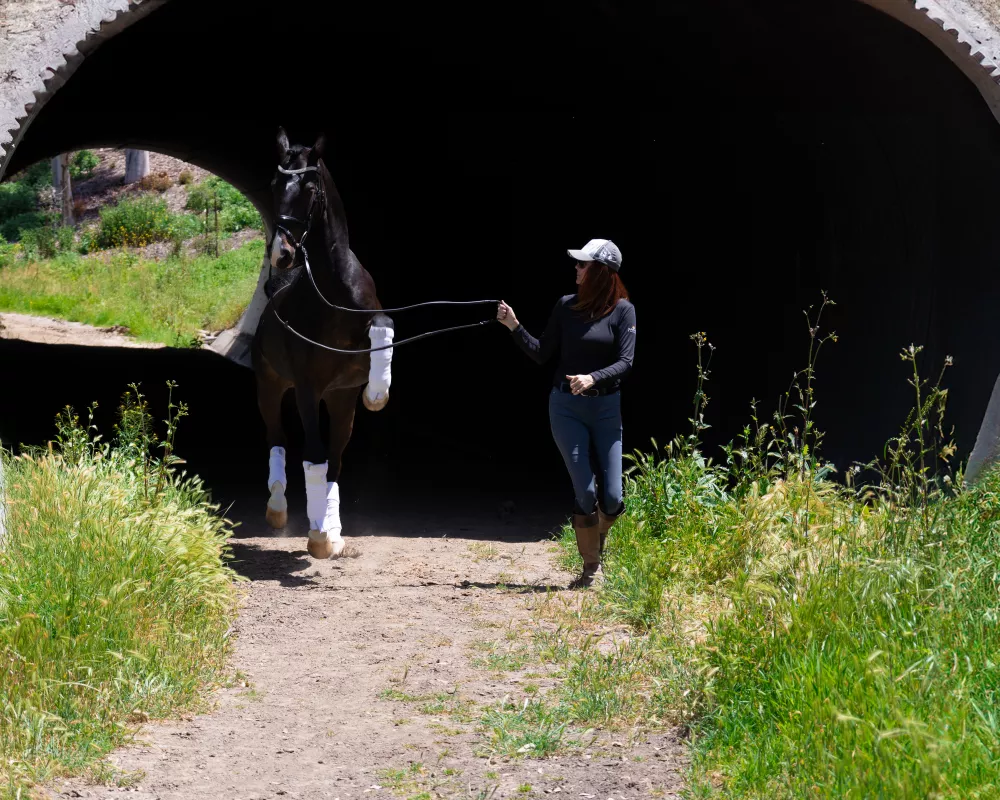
{"points": [[170, 259]]}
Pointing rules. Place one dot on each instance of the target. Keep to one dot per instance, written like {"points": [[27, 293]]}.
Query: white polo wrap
{"points": [[380, 371], [276, 469], [322, 502]]}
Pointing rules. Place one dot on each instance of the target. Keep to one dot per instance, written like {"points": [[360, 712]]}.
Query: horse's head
{"points": [[299, 198]]}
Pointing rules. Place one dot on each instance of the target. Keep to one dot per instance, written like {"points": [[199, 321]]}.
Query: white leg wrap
{"points": [[322, 503], [380, 371], [276, 480], [276, 469]]}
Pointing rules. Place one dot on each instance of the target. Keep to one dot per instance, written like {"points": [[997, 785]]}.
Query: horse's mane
{"points": [[336, 216]]}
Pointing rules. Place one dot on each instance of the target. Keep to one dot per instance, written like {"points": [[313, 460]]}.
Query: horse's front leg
{"points": [[322, 497], [380, 334], [340, 405]]}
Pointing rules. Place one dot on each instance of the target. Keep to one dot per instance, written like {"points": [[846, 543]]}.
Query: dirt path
{"points": [[332, 651], [56, 331]]}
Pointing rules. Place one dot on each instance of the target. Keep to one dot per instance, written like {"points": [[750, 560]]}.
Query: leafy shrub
{"points": [[19, 201], [48, 241], [186, 226], [66, 238], [240, 217], [37, 176], [83, 164], [235, 212], [16, 198], [156, 182], [13, 228], [8, 253], [186, 177], [135, 222], [39, 243]]}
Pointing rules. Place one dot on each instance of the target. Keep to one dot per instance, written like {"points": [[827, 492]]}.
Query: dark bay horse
{"points": [[310, 214]]}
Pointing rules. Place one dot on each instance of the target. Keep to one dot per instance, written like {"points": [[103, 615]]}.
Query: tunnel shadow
{"points": [[394, 481], [262, 564], [514, 588]]}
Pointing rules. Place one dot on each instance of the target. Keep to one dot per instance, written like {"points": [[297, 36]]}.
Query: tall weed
{"points": [[836, 639], [114, 600]]}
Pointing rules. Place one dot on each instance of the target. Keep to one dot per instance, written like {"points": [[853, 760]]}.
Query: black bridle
{"points": [[319, 194], [318, 199]]}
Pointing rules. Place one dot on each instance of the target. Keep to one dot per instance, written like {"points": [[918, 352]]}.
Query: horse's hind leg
{"points": [[270, 391], [376, 394]]}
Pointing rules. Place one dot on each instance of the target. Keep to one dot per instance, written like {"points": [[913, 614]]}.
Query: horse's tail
{"points": [[381, 332]]}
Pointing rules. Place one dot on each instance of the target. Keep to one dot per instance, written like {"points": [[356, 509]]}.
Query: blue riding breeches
{"points": [[584, 425]]}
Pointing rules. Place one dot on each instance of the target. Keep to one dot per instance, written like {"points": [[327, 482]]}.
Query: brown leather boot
{"points": [[604, 524], [588, 542]]}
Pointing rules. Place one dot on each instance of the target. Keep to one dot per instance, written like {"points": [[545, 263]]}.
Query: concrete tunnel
{"points": [[745, 155]]}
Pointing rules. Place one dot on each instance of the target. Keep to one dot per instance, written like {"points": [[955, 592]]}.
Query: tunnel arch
{"points": [[952, 27], [46, 59]]}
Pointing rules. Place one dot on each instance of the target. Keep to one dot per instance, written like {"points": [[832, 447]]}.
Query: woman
{"points": [[593, 334]]}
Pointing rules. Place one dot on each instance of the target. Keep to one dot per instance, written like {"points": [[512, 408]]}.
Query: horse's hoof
{"points": [[276, 519], [338, 547], [319, 548], [375, 405]]}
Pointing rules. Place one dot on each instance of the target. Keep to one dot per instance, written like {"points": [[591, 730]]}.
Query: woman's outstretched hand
{"points": [[505, 316], [580, 383]]}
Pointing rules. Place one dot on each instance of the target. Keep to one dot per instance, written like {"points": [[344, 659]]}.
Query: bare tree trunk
{"points": [[66, 190], [57, 172], [136, 165]]}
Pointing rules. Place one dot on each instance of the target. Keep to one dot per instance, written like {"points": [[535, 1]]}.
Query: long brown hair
{"points": [[600, 291]]}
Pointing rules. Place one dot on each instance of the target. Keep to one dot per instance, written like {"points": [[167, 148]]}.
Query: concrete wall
{"points": [[41, 44], [967, 35]]}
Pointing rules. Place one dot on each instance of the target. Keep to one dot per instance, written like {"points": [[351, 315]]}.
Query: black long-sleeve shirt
{"points": [[602, 348]]}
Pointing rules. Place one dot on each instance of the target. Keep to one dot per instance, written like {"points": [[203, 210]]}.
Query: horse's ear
{"points": [[282, 143], [318, 150]]}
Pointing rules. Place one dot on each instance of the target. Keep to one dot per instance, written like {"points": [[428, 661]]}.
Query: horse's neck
{"points": [[332, 265]]}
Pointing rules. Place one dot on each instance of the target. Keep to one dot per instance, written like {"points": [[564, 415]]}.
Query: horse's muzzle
{"points": [[282, 254]]}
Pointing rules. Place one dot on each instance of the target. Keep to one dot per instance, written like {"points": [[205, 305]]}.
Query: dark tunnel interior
{"points": [[744, 155]]}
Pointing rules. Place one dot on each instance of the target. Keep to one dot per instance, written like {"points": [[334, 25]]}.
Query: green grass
{"points": [[857, 661], [159, 301], [867, 665], [532, 729], [115, 603]]}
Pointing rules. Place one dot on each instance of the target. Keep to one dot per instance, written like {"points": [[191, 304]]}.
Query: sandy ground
{"points": [[320, 641], [56, 331]]}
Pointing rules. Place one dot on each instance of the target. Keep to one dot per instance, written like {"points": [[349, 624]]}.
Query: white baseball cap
{"points": [[603, 250]]}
